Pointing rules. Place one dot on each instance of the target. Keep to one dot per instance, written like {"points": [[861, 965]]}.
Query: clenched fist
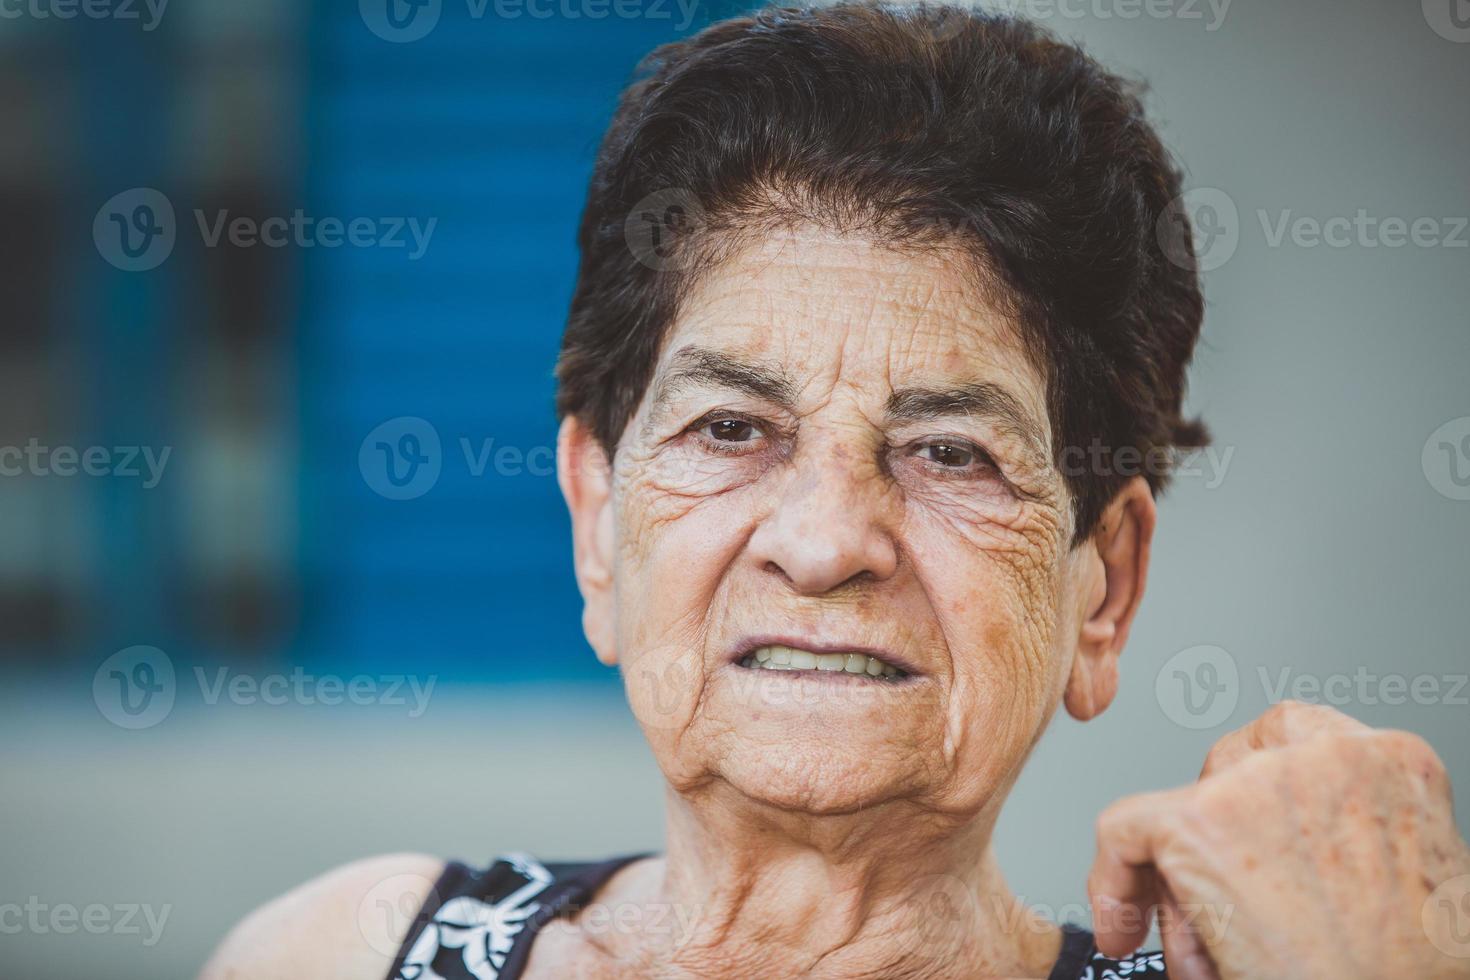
{"points": [[1312, 846]]}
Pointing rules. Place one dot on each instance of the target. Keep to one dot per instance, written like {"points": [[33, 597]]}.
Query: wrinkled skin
{"points": [[806, 506], [832, 524]]}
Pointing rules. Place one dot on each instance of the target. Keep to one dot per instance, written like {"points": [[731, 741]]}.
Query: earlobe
{"points": [[584, 475], [1116, 573]]}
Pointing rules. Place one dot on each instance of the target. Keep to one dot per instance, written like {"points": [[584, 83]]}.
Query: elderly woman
{"points": [[853, 281]]}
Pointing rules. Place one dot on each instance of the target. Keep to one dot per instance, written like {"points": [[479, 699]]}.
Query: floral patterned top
{"points": [[478, 924]]}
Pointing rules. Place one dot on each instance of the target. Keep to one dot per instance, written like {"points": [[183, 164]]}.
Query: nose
{"points": [[832, 522]]}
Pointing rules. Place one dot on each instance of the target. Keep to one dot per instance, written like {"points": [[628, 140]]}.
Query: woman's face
{"points": [[844, 450]]}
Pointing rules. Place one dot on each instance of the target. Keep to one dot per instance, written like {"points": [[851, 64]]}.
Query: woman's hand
{"points": [[1312, 846]]}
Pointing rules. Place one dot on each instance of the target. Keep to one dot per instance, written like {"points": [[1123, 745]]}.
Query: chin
{"points": [[818, 786], [832, 772]]}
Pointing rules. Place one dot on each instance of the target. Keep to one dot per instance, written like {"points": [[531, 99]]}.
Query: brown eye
{"points": [[731, 430], [948, 454]]}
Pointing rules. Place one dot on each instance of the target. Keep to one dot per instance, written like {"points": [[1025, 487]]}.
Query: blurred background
{"points": [[284, 573]]}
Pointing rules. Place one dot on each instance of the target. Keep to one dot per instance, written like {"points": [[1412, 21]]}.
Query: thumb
{"points": [[1125, 885]]}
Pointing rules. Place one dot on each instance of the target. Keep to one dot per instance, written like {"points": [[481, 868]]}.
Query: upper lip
{"points": [[749, 644]]}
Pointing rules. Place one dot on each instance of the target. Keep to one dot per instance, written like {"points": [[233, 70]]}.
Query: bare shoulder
{"points": [[344, 925]]}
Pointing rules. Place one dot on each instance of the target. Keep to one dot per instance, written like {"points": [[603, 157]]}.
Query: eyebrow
{"points": [[694, 365], [981, 399]]}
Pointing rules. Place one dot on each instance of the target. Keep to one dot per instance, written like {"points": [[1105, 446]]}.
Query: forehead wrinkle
{"points": [[806, 292]]}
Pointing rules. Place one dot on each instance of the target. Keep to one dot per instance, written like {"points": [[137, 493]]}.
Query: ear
{"points": [[585, 475], [1113, 576]]}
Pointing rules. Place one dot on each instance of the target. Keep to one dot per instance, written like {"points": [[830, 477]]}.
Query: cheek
{"points": [[696, 511], [995, 587], [671, 489], [663, 603], [991, 561]]}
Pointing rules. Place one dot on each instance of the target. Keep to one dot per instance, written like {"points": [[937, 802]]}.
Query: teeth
{"points": [[788, 658]]}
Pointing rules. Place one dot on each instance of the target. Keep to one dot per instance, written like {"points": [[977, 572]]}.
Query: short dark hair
{"points": [[918, 125]]}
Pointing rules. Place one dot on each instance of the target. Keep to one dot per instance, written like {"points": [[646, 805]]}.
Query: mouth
{"points": [[850, 663]]}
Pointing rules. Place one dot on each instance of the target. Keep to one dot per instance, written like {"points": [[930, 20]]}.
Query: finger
{"points": [[1184, 950], [1124, 885], [1283, 724]]}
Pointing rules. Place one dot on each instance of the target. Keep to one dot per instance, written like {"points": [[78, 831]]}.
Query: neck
{"points": [[889, 891]]}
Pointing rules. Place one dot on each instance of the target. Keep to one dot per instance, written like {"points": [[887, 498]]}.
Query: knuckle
{"points": [[1113, 823], [1284, 707], [1294, 714], [1217, 752], [1413, 752], [1275, 722], [1105, 827]]}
